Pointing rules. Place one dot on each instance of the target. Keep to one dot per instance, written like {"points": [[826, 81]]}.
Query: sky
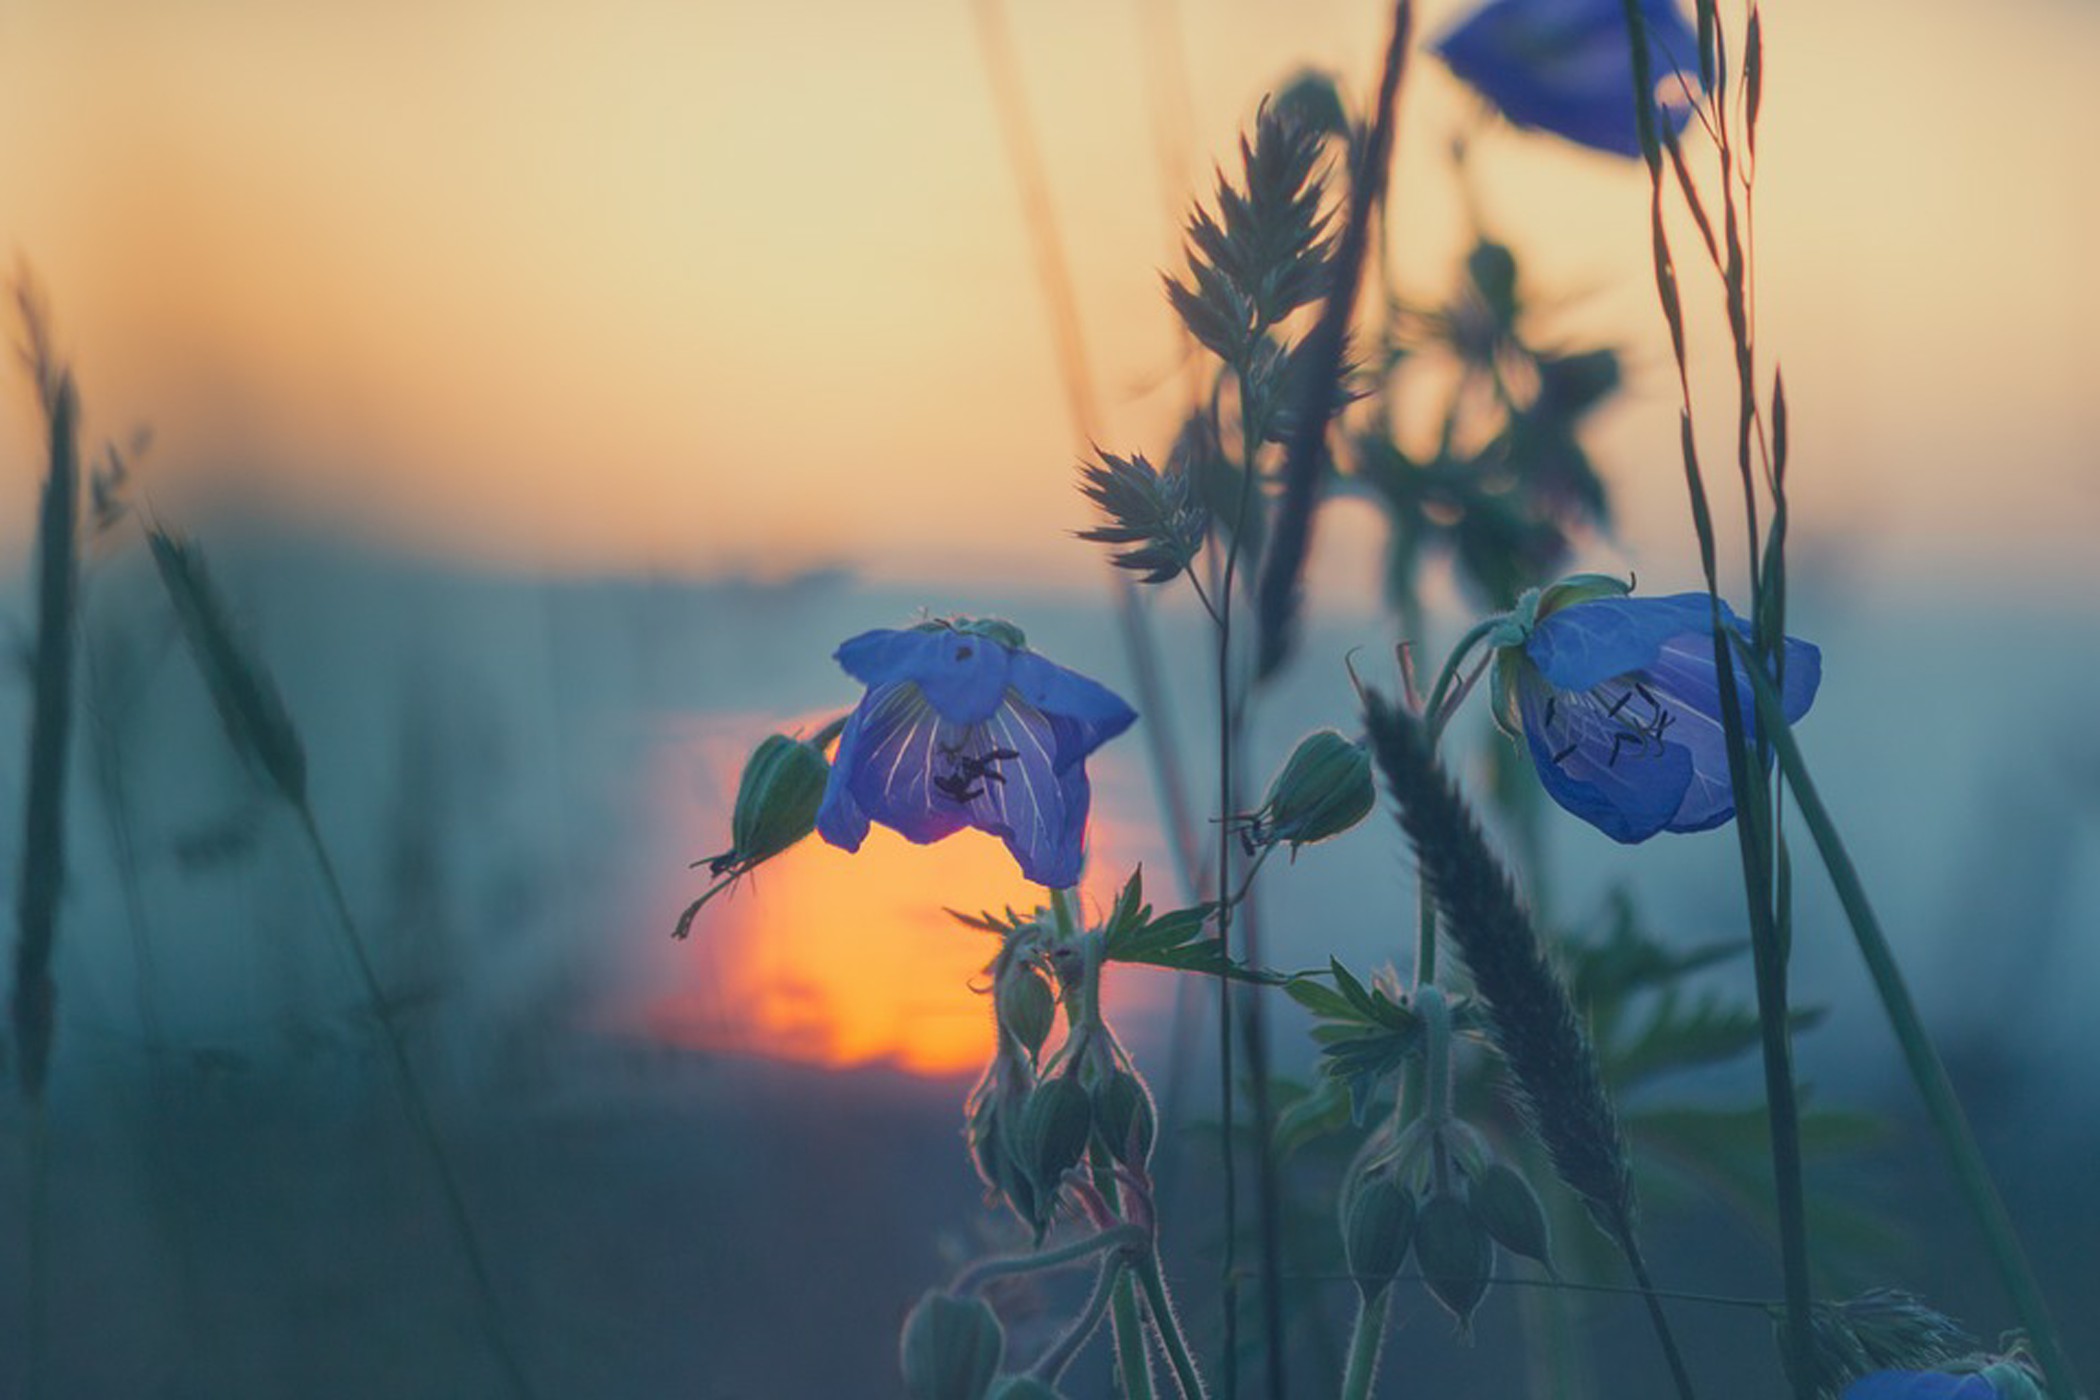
{"points": [[743, 287]]}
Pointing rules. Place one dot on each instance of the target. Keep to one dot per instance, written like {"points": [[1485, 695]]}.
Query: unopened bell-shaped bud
{"points": [[1324, 788], [1124, 1117], [776, 803], [993, 1129], [1509, 1210], [1378, 1224], [1455, 1255], [1025, 1006], [950, 1348], [1051, 1135]]}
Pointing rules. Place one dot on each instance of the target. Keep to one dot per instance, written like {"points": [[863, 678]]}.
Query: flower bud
{"points": [[1455, 1255], [776, 803], [1024, 1005], [1378, 1222], [1051, 1135], [1509, 1210], [1124, 1117], [950, 1348], [1324, 788], [994, 1118]]}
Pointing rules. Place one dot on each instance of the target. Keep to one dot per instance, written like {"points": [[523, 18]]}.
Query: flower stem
{"points": [[1923, 1061], [1167, 1328], [1753, 800], [1365, 1344], [1052, 1363], [984, 1271], [1133, 1362]]}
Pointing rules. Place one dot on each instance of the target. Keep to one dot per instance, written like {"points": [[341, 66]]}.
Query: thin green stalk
{"points": [[1166, 1328], [1365, 1344], [36, 1350], [51, 711], [1052, 1363], [1934, 1088], [1133, 1361], [420, 1118], [1753, 832], [984, 1271], [43, 819]]}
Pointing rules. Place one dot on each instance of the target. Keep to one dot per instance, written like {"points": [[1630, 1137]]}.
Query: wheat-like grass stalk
{"points": [[35, 1000], [1530, 1018], [262, 732]]}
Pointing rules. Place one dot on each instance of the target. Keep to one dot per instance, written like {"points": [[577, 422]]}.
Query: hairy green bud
{"points": [[1456, 1256], [1051, 1136], [1509, 1210], [1378, 1223], [951, 1348], [1323, 789], [1025, 1006], [1124, 1117]]}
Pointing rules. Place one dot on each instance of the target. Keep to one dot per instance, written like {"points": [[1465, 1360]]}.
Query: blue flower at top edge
{"points": [[1920, 1385], [963, 726], [1566, 66], [1620, 704]]}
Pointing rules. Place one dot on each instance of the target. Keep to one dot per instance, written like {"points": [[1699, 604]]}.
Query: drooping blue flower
{"points": [[1566, 66], [1619, 701], [962, 725], [1920, 1385]]}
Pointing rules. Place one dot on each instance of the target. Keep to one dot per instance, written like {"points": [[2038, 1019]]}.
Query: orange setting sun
{"points": [[839, 960]]}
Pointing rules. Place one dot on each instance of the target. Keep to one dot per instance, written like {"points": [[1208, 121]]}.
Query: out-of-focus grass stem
{"points": [[51, 705], [1949, 1122], [418, 1108], [43, 843]]}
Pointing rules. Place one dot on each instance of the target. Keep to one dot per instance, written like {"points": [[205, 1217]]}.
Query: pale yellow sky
{"points": [[745, 285]]}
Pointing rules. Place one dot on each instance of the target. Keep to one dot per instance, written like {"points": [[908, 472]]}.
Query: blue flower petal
{"points": [[1097, 713], [1566, 66], [1586, 644], [899, 755], [1682, 679], [1804, 673], [1920, 1385], [1628, 789], [1035, 804], [961, 673], [958, 729], [840, 820]]}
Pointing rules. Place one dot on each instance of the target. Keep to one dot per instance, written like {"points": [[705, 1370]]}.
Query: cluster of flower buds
{"points": [[1440, 1194], [1031, 1122], [1323, 789], [1436, 1190]]}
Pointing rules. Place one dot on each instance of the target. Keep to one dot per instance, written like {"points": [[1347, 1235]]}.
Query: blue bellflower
{"points": [[1619, 702], [1566, 66], [962, 726], [1920, 1385]]}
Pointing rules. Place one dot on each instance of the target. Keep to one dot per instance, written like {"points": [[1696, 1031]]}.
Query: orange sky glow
{"points": [[733, 286], [738, 286]]}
